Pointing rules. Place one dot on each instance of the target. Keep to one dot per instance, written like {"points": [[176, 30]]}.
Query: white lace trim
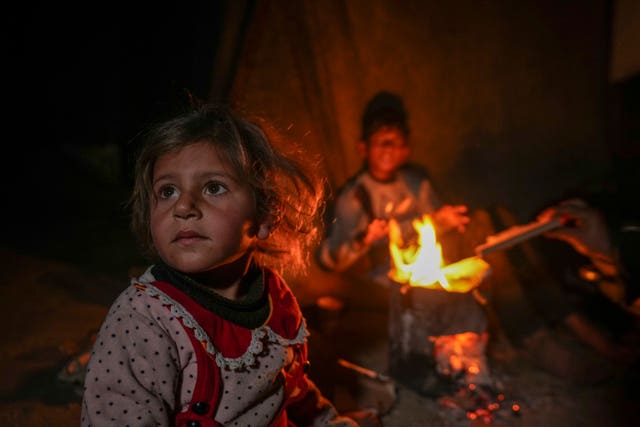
{"points": [[257, 335]]}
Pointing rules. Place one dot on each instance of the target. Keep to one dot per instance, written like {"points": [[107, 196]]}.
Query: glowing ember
{"points": [[462, 356], [422, 264]]}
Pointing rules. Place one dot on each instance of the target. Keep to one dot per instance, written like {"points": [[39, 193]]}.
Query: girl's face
{"points": [[385, 152], [204, 216]]}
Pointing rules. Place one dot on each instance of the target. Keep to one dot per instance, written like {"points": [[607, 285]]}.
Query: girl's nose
{"points": [[186, 207]]}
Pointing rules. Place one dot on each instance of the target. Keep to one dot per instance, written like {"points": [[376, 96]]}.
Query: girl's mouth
{"points": [[187, 237]]}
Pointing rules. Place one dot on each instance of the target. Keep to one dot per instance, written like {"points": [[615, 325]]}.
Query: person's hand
{"points": [[376, 230], [452, 216], [587, 231], [365, 418]]}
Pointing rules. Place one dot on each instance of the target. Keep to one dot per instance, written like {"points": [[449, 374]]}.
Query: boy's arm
{"points": [[344, 243], [445, 217]]}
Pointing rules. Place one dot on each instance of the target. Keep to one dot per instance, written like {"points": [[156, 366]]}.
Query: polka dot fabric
{"points": [[143, 369]]}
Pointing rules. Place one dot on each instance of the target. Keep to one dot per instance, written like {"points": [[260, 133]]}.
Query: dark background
{"points": [[98, 75], [84, 81]]}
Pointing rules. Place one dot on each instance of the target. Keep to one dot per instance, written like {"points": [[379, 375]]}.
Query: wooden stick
{"points": [[363, 371], [515, 235]]}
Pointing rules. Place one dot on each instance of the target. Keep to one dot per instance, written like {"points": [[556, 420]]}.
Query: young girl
{"points": [[210, 334]]}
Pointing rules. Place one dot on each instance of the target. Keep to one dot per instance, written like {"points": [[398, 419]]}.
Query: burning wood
{"points": [[422, 264], [462, 356]]}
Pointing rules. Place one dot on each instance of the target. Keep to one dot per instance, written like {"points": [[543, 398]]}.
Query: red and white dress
{"points": [[172, 354]]}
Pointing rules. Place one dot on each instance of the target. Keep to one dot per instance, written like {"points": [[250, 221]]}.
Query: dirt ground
{"points": [[52, 307]]}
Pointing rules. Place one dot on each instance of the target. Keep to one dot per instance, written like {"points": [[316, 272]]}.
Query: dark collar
{"points": [[250, 312]]}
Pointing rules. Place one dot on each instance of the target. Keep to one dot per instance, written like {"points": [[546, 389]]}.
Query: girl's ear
{"points": [[264, 230]]}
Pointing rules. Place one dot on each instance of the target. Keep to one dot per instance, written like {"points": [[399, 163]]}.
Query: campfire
{"points": [[438, 330], [437, 323], [422, 264]]}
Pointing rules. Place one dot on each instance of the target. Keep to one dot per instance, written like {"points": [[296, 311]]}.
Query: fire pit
{"points": [[437, 327], [437, 323], [437, 339]]}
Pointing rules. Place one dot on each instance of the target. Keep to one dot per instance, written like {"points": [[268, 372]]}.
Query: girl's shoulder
{"points": [[286, 316], [139, 299], [281, 295]]}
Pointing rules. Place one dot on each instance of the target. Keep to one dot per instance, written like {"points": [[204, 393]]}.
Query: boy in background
{"points": [[387, 186]]}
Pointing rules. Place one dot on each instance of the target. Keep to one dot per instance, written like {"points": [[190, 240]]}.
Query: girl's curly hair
{"points": [[282, 177]]}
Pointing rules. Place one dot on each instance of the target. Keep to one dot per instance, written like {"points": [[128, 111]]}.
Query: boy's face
{"points": [[385, 152], [204, 216]]}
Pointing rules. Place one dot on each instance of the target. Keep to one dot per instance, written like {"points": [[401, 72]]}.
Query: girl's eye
{"points": [[215, 188], [166, 191]]}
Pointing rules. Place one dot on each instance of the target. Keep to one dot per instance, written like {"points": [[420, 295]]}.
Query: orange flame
{"points": [[422, 264]]}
